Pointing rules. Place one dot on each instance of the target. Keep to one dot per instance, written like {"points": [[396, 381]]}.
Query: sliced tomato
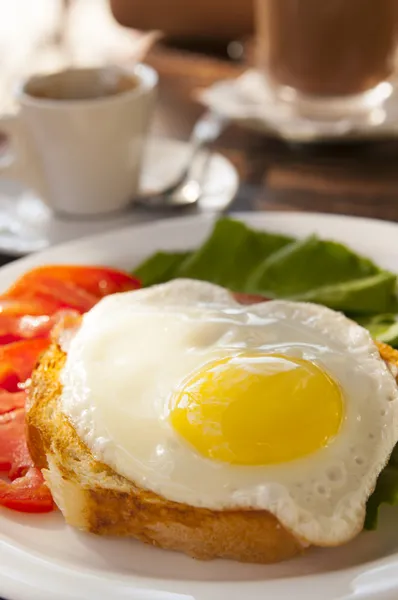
{"points": [[56, 293], [27, 327], [35, 327], [15, 328], [9, 329], [13, 307], [11, 400], [74, 287], [28, 493], [15, 459], [17, 361], [17, 318], [249, 298], [99, 281], [28, 312]]}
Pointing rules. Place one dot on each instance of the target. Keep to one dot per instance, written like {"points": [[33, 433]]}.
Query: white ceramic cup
{"points": [[80, 149]]}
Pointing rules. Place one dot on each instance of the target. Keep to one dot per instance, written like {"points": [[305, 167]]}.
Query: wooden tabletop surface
{"points": [[357, 179]]}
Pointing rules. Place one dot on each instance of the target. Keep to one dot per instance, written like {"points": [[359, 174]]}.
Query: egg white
{"points": [[132, 351]]}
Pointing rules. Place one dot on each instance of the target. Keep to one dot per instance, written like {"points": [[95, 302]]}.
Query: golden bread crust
{"points": [[95, 498], [388, 354]]}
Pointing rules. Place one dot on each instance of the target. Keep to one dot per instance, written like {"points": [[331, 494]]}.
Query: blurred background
{"points": [[357, 176], [47, 35]]}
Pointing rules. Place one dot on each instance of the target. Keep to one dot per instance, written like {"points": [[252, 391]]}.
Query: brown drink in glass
{"points": [[328, 50]]}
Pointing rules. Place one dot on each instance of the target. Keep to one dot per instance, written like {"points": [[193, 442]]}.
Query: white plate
{"points": [[42, 559], [27, 225]]}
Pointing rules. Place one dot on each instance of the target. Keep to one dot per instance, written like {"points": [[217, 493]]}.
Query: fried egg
{"points": [[278, 406]]}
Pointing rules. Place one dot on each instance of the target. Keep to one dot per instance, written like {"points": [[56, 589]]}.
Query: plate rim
{"points": [[239, 215]]}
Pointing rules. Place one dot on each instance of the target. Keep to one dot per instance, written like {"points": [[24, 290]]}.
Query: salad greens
{"points": [[386, 491], [311, 270], [383, 327], [160, 267], [231, 255], [276, 266]]}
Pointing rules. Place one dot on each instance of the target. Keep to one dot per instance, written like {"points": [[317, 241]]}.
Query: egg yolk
{"points": [[257, 409]]}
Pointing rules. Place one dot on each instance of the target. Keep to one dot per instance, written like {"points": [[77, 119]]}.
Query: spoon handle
{"points": [[206, 131]]}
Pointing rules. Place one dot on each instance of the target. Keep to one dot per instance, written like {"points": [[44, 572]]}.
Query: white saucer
{"points": [[27, 225], [249, 100]]}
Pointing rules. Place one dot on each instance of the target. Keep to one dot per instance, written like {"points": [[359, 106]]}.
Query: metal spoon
{"points": [[186, 190]]}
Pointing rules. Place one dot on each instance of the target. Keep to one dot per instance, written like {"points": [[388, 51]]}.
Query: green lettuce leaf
{"points": [[231, 254], [160, 267], [310, 264], [368, 295], [382, 327], [276, 266], [386, 491]]}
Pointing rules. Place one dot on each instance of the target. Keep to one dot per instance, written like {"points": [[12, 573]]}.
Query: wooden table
{"points": [[357, 179]]}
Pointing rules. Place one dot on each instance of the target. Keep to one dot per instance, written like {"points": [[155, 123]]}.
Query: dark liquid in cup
{"points": [[328, 47], [83, 85]]}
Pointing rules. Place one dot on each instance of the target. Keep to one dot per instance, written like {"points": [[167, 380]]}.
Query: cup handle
{"points": [[18, 161]]}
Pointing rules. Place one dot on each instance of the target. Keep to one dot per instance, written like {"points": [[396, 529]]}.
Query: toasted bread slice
{"points": [[95, 498]]}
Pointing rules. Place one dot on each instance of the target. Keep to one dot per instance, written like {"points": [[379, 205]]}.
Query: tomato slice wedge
{"points": [[15, 459], [249, 298], [98, 281], [74, 287], [26, 491], [54, 292], [13, 307], [28, 327], [11, 400], [17, 361], [17, 318], [15, 328], [28, 494], [28, 312]]}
